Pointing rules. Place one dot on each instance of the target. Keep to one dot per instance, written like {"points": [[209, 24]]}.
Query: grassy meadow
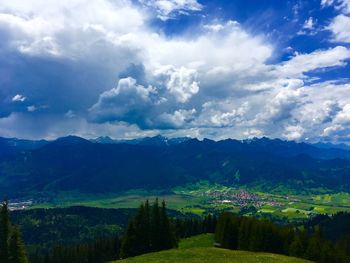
{"points": [[199, 249]]}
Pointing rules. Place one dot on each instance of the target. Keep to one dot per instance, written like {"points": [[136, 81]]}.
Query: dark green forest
{"points": [[45, 228], [309, 241], [12, 249]]}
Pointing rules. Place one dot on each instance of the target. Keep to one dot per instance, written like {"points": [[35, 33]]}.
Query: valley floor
{"points": [[199, 249], [204, 197]]}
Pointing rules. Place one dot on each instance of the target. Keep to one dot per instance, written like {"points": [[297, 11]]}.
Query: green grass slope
{"points": [[199, 249]]}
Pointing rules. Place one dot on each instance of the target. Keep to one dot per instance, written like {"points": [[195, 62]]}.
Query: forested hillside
{"points": [[73, 163]]}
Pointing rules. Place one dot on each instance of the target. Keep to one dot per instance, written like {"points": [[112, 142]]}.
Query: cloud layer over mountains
{"points": [[109, 68]]}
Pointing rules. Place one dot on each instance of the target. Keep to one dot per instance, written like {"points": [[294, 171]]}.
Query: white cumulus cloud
{"points": [[18, 97], [182, 82], [103, 67], [340, 27]]}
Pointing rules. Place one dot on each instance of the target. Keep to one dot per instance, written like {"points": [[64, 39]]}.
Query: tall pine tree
{"points": [[17, 253], [4, 232], [167, 230], [11, 246], [150, 230]]}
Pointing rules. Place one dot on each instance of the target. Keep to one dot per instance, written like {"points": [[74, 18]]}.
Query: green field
{"points": [[204, 197], [200, 249]]}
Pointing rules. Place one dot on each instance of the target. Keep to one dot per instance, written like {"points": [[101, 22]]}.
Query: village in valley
{"points": [[20, 204], [243, 198]]}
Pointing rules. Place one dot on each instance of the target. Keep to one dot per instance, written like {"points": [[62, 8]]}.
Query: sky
{"points": [[205, 69]]}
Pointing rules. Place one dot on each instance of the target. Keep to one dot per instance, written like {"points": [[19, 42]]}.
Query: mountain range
{"points": [[105, 165]]}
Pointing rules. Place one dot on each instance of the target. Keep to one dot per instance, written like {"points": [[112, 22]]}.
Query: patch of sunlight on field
{"points": [[267, 210], [319, 209]]}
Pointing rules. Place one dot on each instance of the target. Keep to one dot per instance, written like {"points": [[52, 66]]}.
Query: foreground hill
{"points": [[199, 249], [75, 164]]}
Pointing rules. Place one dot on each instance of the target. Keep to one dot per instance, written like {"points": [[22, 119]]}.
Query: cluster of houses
{"points": [[19, 204], [242, 199]]}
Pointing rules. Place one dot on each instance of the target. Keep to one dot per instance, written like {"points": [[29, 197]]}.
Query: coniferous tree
{"points": [[128, 247], [327, 252], [156, 238], [141, 231], [297, 247], [12, 249], [150, 230], [263, 235], [257, 237], [342, 249], [221, 227], [287, 236], [4, 232], [209, 224], [244, 234], [146, 224], [167, 231], [314, 246], [100, 251], [16, 251]]}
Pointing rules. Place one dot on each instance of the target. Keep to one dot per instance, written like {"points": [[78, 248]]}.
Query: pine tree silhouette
{"points": [[17, 253], [4, 232], [150, 230]]}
